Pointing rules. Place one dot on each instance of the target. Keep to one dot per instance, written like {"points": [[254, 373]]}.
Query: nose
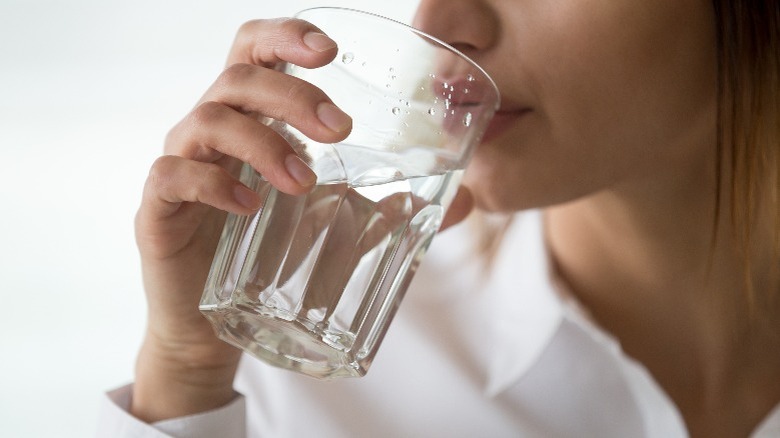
{"points": [[468, 25]]}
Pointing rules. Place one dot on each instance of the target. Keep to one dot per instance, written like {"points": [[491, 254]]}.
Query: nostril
{"points": [[463, 47]]}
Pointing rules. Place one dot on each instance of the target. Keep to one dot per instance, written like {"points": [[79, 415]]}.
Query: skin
{"points": [[608, 122]]}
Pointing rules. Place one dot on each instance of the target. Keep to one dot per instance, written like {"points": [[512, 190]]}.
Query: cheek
{"points": [[618, 90], [627, 78], [619, 86]]}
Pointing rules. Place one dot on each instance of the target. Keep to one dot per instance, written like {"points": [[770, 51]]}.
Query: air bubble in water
{"points": [[348, 57], [467, 120], [431, 75], [396, 111], [431, 111], [470, 78], [392, 69]]}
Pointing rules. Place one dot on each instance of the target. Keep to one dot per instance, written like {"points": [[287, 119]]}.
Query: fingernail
{"points": [[246, 197], [318, 42], [331, 116], [299, 170]]}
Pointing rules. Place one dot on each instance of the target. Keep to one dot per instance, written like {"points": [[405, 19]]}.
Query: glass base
{"points": [[286, 344]]}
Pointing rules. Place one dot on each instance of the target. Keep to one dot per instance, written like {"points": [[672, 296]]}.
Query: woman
{"points": [[637, 295]]}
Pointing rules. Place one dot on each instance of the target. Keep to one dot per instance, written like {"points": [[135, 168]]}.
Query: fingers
{"points": [[460, 208], [175, 180], [252, 89], [226, 121], [268, 42], [214, 130]]}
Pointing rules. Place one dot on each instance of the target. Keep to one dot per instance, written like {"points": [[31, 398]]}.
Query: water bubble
{"points": [[396, 111], [408, 104], [446, 85], [363, 64], [392, 69], [431, 75], [465, 91], [431, 111], [392, 77], [470, 78], [467, 120], [348, 57], [447, 104], [387, 85], [452, 88]]}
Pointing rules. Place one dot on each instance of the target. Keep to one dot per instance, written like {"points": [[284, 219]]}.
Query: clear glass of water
{"points": [[310, 283]]}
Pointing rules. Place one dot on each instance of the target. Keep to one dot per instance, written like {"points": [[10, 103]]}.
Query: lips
{"points": [[467, 93], [503, 120], [462, 91]]}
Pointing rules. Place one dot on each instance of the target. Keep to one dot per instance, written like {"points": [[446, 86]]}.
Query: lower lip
{"points": [[502, 121]]}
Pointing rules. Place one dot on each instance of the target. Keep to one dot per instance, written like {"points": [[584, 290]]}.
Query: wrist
{"points": [[169, 385]]}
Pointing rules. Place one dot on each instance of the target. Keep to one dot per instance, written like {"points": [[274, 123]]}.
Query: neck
{"points": [[643, 260]]}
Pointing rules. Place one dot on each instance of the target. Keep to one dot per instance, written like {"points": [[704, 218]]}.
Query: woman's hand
{"points": [[183, 367]]}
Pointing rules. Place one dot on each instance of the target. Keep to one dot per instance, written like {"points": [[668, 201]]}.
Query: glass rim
{"points": [[418, 32]]}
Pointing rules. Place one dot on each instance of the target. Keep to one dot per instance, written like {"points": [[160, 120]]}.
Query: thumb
{"points": [[460, 208]]}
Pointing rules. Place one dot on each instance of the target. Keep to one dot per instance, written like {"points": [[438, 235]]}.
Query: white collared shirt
{"points": [[503, 354]]}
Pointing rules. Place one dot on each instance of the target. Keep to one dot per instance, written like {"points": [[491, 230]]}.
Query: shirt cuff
{"points": [[229, 421]]}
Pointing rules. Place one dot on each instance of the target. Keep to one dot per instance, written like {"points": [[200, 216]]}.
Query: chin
{"points": [[500, 189], [493, 194]]}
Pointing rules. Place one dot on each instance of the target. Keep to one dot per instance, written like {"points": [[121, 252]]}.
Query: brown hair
{"points": [[748, 40]]}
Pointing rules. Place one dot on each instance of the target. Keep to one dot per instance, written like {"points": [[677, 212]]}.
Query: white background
{"points": [[88, 89]]}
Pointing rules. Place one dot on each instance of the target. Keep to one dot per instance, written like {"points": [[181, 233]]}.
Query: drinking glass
{"points": [[310, 283]]}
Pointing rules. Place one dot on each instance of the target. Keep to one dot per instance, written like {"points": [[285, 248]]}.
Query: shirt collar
{"points": [[527, 310]]}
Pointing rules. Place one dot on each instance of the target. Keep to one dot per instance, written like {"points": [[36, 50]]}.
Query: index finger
{"points": [[268, 42]]}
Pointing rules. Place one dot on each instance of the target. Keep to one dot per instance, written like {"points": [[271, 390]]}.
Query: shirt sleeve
{"points": [[115, 420]]}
